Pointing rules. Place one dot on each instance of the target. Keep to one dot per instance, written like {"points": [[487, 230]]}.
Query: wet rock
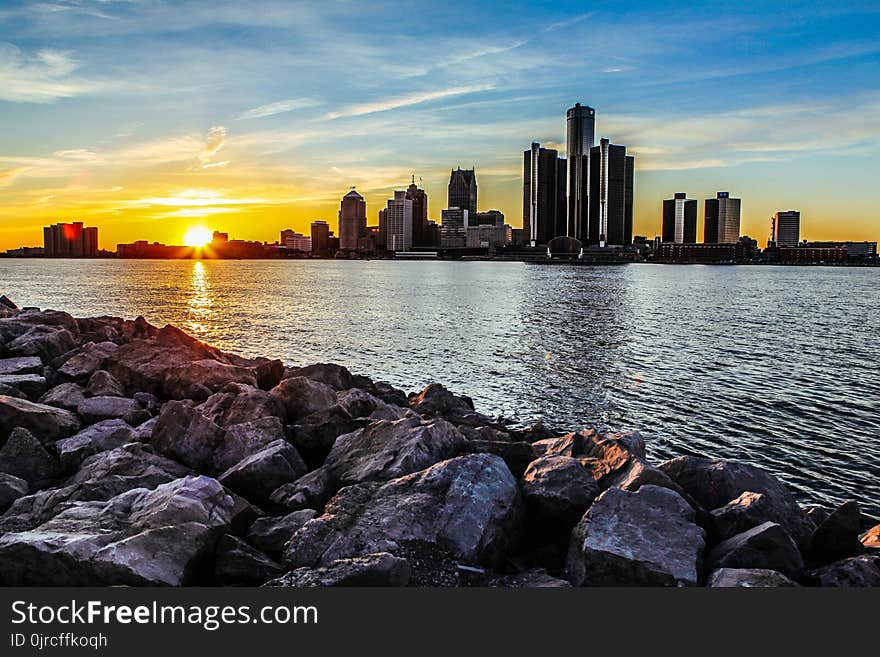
{"points": [[7, 303], [66, 395], [300, 396], [89, 359], [838, 535], [715, 482], [30, 385], [767, 546], [236, 403], [335, 376], [377, 569], [99, 437], [21, 365], [24, 457], [469, 505], [102, 384], [517, 455], [861, 571], [558, 490], [96, 409], [747, 578], [238, 564], [256, 476], [47, 423], [185, 381], [141, 537], [270, 534], [436, 400], [642, 538], [739, 515], [11, 488]]}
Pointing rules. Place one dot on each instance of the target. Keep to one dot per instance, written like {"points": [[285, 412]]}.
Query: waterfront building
{"points": [[580, 138], [721, 219], [419, 198], [432, 234], [352, 220], [544, 194], [489, 217], [610, 220], [702, 253], [785, 228], [854, 250], [294, 241], [462, 191], [486, 236], [399, 223], [320, 233], [70, 240], [679, 219], [453, 229]]}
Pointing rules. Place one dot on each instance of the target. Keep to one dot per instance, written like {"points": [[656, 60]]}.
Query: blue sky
{"points": [[142, 116]]}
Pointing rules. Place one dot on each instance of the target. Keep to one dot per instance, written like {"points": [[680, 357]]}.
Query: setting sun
{"points": [[197, 236]]}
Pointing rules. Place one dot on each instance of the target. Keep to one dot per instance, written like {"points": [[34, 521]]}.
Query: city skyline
{"points": [[248, 124]]}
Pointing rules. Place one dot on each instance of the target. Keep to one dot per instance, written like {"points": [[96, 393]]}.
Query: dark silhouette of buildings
{"points": [[320, 232], [462, 190], [489, 217], [419, 200], [679, 220], [70, 241], [580, 138], [544, 194], [352, 220], [786, 228], [610, 218], [722, 215]]}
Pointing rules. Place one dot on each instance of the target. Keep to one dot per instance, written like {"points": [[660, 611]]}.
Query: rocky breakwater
{"points": [[133, 455]]}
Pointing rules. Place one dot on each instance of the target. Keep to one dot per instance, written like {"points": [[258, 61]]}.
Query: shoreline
{"points": [[121, 441]]}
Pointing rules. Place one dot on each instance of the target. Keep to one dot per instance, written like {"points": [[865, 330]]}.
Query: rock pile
{"points": [[133, 455]]}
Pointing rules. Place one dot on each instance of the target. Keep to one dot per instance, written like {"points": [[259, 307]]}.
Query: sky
{"points": [[147, 118]]}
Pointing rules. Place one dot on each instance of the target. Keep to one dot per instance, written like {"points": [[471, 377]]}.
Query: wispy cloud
{"points": [[7, 175], [279, 108], [38, 78], [213, 143], [408, 100]]}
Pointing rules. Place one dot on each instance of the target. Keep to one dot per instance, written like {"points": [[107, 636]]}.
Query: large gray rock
{"points": [[358, 403], [24, 457], [335, 376], [238, 564], [11, 488], [99, 437], [89, 359], [316, 433], [300, 396], [45, 342], [190, 379], [66, 395], [270, 534], [103, 384], [469, 505], [715, 482], [747, 578], [767, 546], [96, 409], [861, 571], [47, 423], [378, 569], [236, 403], [645, 538], [838, 535], [256, 476], [739, 515], [558, 489], [436, 400], [141, 537], [311, 491], [31, 385], [21, 365]]}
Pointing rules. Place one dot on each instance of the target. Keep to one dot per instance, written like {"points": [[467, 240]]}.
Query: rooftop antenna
{"points": [[414, 179]]}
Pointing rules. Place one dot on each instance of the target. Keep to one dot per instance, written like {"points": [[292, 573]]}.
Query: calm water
{"points": [[773, 365]]}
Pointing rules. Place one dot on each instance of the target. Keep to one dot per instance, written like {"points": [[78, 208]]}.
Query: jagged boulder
{"points": [[335, 376], [642, 538], [861, 571], [191, 380], [47, 423], [96, 409], [378, 569], [517, 455], [11, 488], [66, 395], [21, 365], [89, 359], [46, 342], [236, 403], [238, 564], [838, 535], [469, 505], [270, 534], [558, 490], [99, 437], [300, 396], [141, 537], [257, 475], [739, 515], [715, 482], [768, 546], [103, 384], [316, 433], [30, 385], [358, 403], [436, 400], [24, 457], [747, 578], [9, 391], [311, 491]]}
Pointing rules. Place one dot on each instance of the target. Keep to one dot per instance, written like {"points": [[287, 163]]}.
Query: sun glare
{"points": [[197, 236]]}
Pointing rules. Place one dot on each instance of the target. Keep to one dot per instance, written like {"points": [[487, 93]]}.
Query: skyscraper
{"points": [[70, 241], [680, 220], [352, 220], [610, 195], [544, 197], [453, 231], [787, 228], [399, 222], [462, 190], [721, 224], [320, 232], [580, 137], [419, 200]]}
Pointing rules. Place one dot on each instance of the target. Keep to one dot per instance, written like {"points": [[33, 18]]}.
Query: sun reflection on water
{"points": [[200, 306]]}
